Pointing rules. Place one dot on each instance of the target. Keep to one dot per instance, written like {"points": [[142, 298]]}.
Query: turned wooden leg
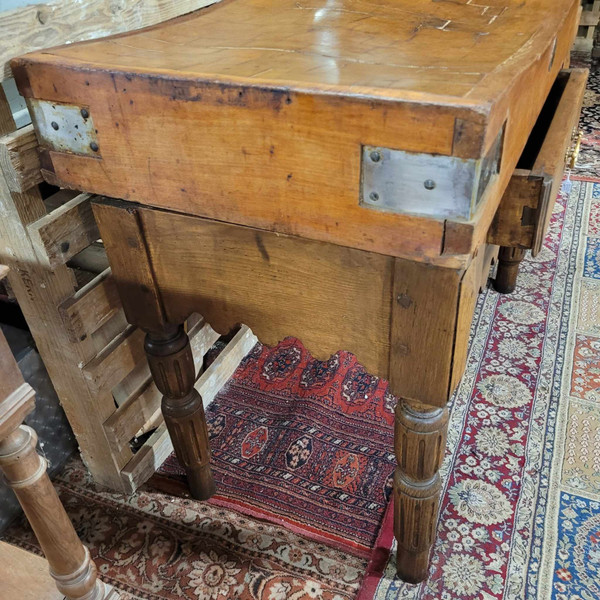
{"points": [[509, 260], [69, 560], [420, 442], [172, 367]]}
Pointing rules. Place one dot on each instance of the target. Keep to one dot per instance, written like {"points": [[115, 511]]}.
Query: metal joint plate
{"points": [[64, 127], [426, 184]]}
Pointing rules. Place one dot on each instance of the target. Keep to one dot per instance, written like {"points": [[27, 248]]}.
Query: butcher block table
{"points": [[338, 170]]}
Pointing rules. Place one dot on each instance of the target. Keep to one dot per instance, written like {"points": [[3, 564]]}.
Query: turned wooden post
{"points": [[25, 472], [172, 367], [420, 442], [69, 560], [509, 260]]}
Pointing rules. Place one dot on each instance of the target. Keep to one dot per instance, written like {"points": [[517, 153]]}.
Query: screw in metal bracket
{"points": [[374, 196], [54, 125], [84, 113], [375, 156], [429, 184], [94, 146]]}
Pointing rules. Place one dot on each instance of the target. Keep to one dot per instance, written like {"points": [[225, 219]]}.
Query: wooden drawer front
{"points": [[524, 212]]}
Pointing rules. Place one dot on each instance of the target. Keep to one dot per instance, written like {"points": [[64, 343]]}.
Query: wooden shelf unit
{"points": [[62, 282]]}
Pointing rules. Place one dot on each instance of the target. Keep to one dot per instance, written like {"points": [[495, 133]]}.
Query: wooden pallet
{"points": [[61, 279], [590, 16]]}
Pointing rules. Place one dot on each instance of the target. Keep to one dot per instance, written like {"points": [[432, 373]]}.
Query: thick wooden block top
{"points": [[267, 112], [389, 48]]}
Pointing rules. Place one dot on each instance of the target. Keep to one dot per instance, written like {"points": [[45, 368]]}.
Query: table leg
{"points": [[172, 366], [509, 260], [420, 442], [70, 563]]}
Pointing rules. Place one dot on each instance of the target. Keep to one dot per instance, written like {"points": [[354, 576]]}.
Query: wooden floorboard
{"points": [[25, 576]]}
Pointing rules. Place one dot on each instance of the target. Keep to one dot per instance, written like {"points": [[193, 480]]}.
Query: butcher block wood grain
{"points": [[255, 111], [238, 142]]}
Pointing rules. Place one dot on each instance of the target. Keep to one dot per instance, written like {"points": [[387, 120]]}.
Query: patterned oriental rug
{"points": [[588, 164], [304, 443], [299, 442]]}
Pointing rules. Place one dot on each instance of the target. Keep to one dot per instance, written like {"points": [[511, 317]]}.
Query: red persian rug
{"points": [[303, 461], [304, 443]]}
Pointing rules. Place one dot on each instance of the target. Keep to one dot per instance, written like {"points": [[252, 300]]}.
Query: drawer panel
{"points": [[524, 212]]}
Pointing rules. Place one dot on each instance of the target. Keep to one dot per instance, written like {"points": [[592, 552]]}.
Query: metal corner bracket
{"points": [[444, 187], [64, 127]]}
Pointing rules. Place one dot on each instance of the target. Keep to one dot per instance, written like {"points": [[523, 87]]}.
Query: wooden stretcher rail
{"points": [[118, 359], [524, 213]]}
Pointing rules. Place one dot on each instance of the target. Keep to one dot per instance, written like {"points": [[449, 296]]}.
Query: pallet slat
{"points": [[64, 232], [19, 159], [143, 403], [147, 459], [116, 361], [91, 307], [92, 259], [589, 18], [221, 370], [39, 292], [588, 22]]}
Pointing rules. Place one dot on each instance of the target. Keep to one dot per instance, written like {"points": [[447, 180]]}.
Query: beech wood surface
{"points": [[405, 320], [278, 285], [254, 111], [246, 121], [550, 161], [39, 291]]}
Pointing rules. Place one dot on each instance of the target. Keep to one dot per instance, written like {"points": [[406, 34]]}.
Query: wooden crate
{"points": [[61, 279], [590, 16]]}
